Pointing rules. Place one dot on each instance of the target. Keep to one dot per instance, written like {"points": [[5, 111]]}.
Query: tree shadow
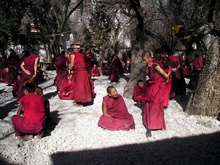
{"points": [[4, 110], [5, 162], [196, 150], [183, 101], [51, 94]]}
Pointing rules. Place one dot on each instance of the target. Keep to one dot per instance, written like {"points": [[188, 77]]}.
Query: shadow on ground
{"points": [[4, 110], [196, 150]]}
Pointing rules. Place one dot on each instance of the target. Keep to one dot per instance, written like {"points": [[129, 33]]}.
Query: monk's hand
{"points": [[27, 72], [107, 115]]}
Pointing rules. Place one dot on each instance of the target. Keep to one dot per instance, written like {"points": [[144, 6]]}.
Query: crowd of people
{"points": [[74, 81]]}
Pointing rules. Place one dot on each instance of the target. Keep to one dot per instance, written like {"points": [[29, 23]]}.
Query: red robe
{"points": [[95, 72], [120, 118], [34, 115], [139, 93], [115, 69], [61, 70], [15, 87], [153, 117], [105, 70], [68, 86], [29, 65], [82, 85]]}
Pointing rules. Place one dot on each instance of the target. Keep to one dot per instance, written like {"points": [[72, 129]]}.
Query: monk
{"points": [[115, 68], [153, 117], [178, 81], [67, 90], [139, 91], [12, 64], [197, 68], [29, 71], [82, 86], [95, 71], [165, 62], [105, 69], [115, 114], [61, 64], [33, 109]]}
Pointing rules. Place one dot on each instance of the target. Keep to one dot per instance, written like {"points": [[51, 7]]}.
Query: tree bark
{"points": [[206, 98]]}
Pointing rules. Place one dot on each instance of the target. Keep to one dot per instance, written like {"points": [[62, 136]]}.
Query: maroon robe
{"points": [[82, 86], [167, 88], [12, 64], [115, 69], [105, 70], [67, 91], [61, 70], [139, 93], [153, 117], [1, 67], [29, 62], [16, 87], [34, 115], [120, 118], [95, 72]]}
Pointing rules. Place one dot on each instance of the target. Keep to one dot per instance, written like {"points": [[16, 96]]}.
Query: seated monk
{"points": [[95, 71], [115, 114], [66, 92], [33, 110], [139, 91]]}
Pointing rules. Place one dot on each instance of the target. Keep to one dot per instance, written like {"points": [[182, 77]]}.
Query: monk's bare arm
{"points": [[19, 111], [105, 109], [35, 66], [161, 71], [72, 57]]}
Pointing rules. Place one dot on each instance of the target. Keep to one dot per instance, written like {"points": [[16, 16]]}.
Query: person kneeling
{"points": [[33, 118], [115, 114]]}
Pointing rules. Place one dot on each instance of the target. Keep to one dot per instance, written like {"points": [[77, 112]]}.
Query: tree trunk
{"points": [[137, 66], [137, 71], [205, 100]]}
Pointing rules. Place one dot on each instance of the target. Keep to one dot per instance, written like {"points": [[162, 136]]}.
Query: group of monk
{"points": [[74, 82]]}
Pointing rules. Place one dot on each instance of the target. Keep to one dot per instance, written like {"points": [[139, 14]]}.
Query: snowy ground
{"points": [[75, 137]]}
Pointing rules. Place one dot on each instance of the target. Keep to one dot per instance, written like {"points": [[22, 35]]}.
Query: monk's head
{"points": [[141, 83], [112, 92], [29, 88], [146, 57], [76, 48], [39, 91]]}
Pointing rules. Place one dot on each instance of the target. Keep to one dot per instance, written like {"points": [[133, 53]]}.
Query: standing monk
{"points": [[33, 110], [115, 113], [82, 85], [153, 117], [12, 63], [61, 64], [115, 68], [29, 71]]}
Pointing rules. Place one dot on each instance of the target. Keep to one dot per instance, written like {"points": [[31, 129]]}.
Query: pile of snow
{"points": [[75, 128]]}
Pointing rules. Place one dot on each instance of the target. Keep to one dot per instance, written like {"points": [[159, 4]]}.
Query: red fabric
{"points": [[67, 92], [139, 93], [61, 70], [82, 86], [174, 61], [120, 118], [29, 65], [34, 115], [168, 87], [95, 72], [153, 117]]}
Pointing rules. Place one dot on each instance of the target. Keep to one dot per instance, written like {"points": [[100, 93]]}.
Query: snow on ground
{"points": [[75, 137]]}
